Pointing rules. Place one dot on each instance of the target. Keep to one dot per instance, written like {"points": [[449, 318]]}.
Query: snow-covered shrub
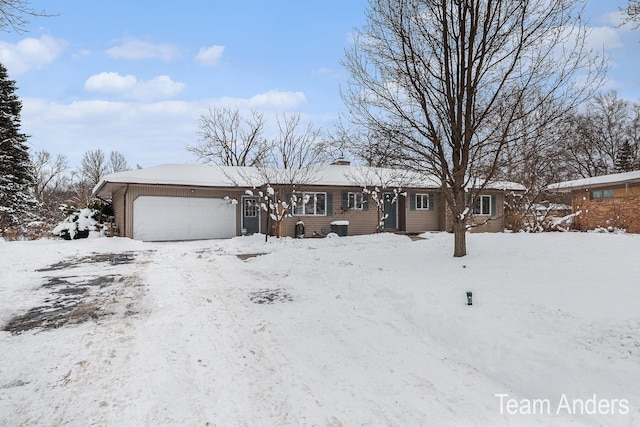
{"points": [[78, 224], [609, 229], [28, 230]]}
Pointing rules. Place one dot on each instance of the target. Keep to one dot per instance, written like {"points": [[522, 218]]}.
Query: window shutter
{"points": [[493, 204], [365, 202], [412, 201], [432, 204], [345, 200], [329, 201], [287, 198]]}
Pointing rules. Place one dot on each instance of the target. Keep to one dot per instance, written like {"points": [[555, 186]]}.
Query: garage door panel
{"points": [[157, 218]]}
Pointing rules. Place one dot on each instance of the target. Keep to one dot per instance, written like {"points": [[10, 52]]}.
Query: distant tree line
{"points": [[37, 188], [229, 138]]}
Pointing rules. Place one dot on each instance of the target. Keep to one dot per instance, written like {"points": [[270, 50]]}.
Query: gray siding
{"points": [[418, 220], [496, 222], [118, 209], [365, 221]]}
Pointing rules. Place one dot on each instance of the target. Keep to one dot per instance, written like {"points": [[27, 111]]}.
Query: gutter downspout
{"points": [[124, 217]]}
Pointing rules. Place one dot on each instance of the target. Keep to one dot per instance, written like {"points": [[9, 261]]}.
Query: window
{"points": [[311, 204], [601, 194], [250, 208], [424, 201], [354, 201], [483, 206]]}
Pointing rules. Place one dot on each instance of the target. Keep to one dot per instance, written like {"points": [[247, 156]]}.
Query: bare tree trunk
{"points": [[459, 237], [460, 216]]}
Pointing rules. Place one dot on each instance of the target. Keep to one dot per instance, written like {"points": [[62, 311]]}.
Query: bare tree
{"points": [[117, 163], [371, 147], [632, 13], [50, 175], [444, 79], [296, 147], [288, 163], [14, 13], [228, 139], [593, 139], [528, 161], [93, 166]]}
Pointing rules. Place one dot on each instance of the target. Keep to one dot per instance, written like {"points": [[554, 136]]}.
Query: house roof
{"points": [[597, 181], [233, 176], [498, 185]]}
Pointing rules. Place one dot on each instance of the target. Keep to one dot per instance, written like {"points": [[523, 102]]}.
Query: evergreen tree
{"points": [[625, 159], [16, 168]]}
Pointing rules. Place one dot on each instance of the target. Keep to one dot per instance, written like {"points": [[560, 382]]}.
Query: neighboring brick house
{"points": [[608, 201]]}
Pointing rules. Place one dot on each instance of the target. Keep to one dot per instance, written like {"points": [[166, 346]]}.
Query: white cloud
{"points": [[604, 37], [324, 70], [279, 100], [139, 49], [615, 18], [148, 133], [209, 56], [161, 87], [81, 54], [30, 53], [328, 72], [110, 83]]}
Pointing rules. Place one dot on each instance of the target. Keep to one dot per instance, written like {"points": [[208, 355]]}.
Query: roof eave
{"points": [[568, 188]]}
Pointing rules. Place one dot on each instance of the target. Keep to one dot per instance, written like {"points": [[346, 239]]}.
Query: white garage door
{"points": [[158, 218]]}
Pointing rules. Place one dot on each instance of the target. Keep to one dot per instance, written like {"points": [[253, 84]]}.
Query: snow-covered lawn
{"points": [[370, 330]]}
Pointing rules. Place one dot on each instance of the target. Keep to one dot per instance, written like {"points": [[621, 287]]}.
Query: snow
{"points": [[364, 330], [505, 186], [541, 207], [177, 174], [231, 176], [496, 185], [340, 222], [616, 178], [563, 223], [464, 213], [80, 220]]}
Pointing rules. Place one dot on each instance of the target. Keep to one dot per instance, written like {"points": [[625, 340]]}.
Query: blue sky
{"points": [[135, 76]]}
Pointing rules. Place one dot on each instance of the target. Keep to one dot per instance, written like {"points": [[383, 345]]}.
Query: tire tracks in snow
{"points": [[199, 343]]}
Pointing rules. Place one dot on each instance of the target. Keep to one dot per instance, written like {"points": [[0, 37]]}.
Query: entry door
{"points": [[390, 209], [250, 215]]}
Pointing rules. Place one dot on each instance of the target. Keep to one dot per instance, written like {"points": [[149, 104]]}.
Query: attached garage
{"points": [[159, 218]]}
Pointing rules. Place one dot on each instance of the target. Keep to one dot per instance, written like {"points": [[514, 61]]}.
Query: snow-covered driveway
{"points": [[370, 330]]}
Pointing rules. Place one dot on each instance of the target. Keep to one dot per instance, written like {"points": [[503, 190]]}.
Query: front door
{"points": [[390, 211], [250, 215]]}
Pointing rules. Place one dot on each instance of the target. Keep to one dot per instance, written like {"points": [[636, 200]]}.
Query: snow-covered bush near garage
{"points": [[79, 224]]}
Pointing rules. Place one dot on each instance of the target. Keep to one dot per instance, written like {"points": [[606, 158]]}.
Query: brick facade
{"points": [[621, 211]]}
